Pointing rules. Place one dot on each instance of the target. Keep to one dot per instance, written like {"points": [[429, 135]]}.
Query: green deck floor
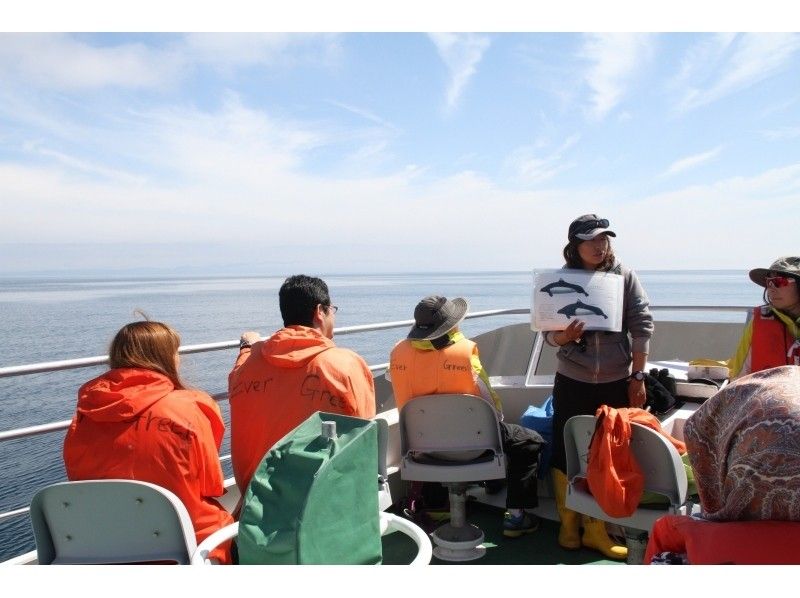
{"points": [[538, 548]]}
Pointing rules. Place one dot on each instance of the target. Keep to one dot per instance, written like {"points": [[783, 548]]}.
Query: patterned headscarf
{"points": [[744, 446]]}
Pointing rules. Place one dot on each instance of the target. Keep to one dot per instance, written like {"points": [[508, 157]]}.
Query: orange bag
{"points": [[613, 475]]}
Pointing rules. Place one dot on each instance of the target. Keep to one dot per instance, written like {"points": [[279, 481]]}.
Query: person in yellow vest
{"points": [[436, 358], [771, 337]]}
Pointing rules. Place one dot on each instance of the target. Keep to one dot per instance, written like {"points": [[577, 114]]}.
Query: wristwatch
{"points": [[637, 375]]}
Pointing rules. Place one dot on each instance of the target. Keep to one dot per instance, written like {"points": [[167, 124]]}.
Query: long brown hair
{"points": [[147, 345], [573, 258]]}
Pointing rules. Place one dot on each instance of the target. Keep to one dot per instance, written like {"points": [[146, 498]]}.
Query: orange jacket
{"points": [[133, 424], [770, 343], [613, 475], [416, 372], [278, 383], [726, 542]]}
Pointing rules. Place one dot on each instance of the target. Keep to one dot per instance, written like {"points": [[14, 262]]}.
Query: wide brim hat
{"points": [[789, 265], [435, 316]]}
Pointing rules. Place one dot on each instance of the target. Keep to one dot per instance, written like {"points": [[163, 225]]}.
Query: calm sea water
{"points": [[51, 319]]}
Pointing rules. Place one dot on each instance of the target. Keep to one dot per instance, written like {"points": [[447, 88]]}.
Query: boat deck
{"points": [[539, 548]]}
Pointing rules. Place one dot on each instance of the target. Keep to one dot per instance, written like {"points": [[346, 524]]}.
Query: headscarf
{"points": [[744, 447]]}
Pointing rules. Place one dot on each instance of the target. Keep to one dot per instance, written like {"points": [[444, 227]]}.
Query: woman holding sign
{"points": [[594, 369]]}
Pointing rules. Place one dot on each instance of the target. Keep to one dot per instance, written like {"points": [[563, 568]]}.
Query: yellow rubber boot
{"points": [[596, 537], [569, 534]]}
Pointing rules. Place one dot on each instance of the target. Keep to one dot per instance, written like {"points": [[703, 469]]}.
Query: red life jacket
{"points": [[771, 342], [726, 542]]}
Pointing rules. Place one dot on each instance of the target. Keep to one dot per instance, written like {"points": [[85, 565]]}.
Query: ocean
{"points": [[48, 319]]}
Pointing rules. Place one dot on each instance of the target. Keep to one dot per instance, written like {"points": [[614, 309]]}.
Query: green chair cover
{"points": [[314, 500]]}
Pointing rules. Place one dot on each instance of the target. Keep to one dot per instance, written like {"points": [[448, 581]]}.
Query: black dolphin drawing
{"points": [[572, 309], [561, 287]]}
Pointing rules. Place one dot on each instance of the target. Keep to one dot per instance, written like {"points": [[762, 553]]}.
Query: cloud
{"points": [[529, 166], [61, 61], [461, 53], [714, 225], [615, 60], [236, 50], [726, 64], [691, 161], [782, 133], [66, 62]]}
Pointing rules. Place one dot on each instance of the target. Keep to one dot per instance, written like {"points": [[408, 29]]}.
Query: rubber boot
{"points": [[569, 534], [596, 537]]}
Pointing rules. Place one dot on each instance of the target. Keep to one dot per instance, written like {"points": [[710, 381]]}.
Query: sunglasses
{"points": [[585, 227], [778, 282]]}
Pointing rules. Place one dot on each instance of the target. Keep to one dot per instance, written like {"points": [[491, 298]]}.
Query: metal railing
{"points": [[70, 364], [85, 362]]}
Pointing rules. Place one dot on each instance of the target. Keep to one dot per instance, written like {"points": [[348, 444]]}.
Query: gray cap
{"points": [[587, 227], [435, 316], [789, 265]]}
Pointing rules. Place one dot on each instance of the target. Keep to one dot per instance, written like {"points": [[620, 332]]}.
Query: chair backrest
{"points": [[658, 459], [457, 435], [110, 521]]}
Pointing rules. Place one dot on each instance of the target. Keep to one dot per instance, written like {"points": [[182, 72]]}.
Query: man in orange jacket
{"points": [[278, 383]]}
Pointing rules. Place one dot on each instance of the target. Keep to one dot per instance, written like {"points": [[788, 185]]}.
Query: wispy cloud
{"points": [[691, 161], [65, 62], [782, 133], [77, 164], [366, 114], [60, 61], [461, 53], [726, 64], [529, 165], [615, 60]]}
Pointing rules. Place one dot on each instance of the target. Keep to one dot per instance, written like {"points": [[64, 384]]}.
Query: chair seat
{"points": [[658, 460]]}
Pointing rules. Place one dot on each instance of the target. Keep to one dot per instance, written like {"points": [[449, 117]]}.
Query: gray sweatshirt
{"points": [[607, 355]]}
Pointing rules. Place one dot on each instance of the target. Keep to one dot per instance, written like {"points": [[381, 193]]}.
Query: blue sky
{"points": [[265, 153]]}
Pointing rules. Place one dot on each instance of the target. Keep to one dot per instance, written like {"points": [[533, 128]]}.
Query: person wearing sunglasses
{"points": [[594, 369], [771, 337]]}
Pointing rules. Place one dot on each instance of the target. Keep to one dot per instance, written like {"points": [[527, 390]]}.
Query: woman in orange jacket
{"points": [[138, 421]]}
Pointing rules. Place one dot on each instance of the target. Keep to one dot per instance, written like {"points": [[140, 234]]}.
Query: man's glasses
{"points": [[333, 307], [778, 282]]}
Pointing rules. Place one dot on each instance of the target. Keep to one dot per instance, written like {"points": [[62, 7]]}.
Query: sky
{"points": [[268, 153]]}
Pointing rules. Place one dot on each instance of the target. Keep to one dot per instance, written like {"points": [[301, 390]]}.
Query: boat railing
{"points": [[70, 364]]}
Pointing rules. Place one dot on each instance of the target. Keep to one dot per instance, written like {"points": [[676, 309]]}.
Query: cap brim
{"points": [[594, 232], [460, 306]]}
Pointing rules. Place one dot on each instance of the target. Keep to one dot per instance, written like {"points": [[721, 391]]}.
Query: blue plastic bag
{"points": [[540, 419]]}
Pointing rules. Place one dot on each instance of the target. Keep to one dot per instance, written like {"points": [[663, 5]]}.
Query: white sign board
{"points": [[562, 296]]}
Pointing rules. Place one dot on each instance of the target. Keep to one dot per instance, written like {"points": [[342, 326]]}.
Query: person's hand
{"points": [[249, 338], [571, 333], [636, 393]]}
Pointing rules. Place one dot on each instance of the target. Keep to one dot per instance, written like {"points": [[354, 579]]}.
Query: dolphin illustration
{"points": [[573, 309], [561, 287]]}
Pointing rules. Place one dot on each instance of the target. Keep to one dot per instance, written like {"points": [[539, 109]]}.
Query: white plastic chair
{"points": [[453, 439], [110, 522], [389, 523], [661, 465]]}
